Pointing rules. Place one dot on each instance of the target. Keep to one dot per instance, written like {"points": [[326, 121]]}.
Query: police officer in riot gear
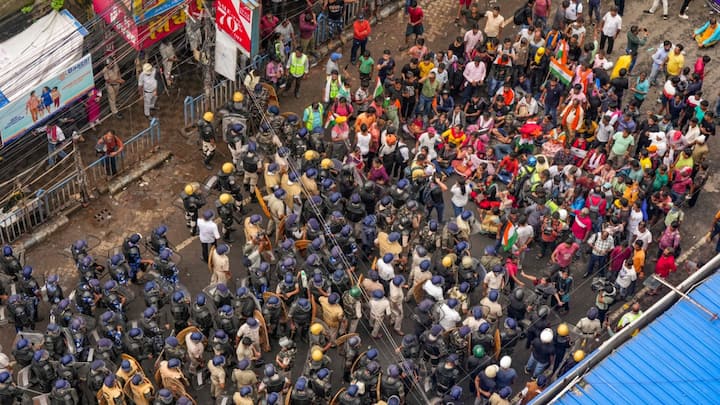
{"points": [[158, 239], [207, 137], [23, 353], [236, 137], [225, 206], [137, 345], [151, 329], [173, 349], [131, 247], [63, 394], [42, 372], [9, 392], [192, 202], [251, 165], [30, 290], [391, 383], [54, 342], [243, 304], [228, 182], [180, 310], [202, 315], [21, 312], [10, 263], [165, 266], [119, 269]]}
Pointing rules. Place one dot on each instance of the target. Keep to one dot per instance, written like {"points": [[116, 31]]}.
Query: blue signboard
{"points": [[35, 108]]}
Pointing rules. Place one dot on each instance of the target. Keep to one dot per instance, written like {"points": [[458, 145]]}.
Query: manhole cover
{"points": [[103, 215]]}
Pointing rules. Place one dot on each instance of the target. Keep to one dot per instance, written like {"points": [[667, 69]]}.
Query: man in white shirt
{"points": [[643, 234], [385, 269], [449, 317], [429, 139], [208, 233], [526, 107], [441, 74], [574, 10], [625, 278], [474, 75], [433, 288], [472, 38], [147, 84], [56, 138], [604, 131], [609, 29]]}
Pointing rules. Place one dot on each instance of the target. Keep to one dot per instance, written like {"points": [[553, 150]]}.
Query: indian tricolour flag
{"points": [[379, 89], [561, 71], [509, 236], [562, 52]]}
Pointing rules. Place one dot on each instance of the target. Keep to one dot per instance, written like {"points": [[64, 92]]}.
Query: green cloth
{"points": [[643, 86], [429, 88], [621, 144], [366, 65]]}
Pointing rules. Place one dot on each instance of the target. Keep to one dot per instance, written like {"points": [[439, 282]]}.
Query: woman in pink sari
{"points": [[92, 106]]}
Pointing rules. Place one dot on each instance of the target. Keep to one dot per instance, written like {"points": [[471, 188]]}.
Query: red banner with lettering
{"points": [[235, 19], [116, 14]]}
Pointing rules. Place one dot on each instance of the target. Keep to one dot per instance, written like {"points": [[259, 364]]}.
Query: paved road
{"points": [[148, 203]]}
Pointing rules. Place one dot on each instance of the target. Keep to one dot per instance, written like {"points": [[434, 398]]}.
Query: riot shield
{"points": [[264, 336], [35, 338], [230, 119], [336, 397], [43, 399], [344, 338], [184, 333], [23, 377]]}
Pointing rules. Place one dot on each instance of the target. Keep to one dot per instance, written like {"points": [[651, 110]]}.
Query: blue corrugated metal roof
{"points": [[675, 359]]}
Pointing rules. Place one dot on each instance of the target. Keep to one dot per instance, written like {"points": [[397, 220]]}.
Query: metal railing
{"points": [[195, 107], [98, 172], [64, 185]]}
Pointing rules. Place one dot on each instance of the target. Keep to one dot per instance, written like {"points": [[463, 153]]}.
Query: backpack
{"points": [[399, 159], [519, 16]]}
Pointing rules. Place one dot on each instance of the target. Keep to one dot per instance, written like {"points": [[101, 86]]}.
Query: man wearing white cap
{"points": [[147, 84]]}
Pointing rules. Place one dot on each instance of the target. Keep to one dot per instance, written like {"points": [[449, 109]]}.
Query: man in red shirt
{"points": [[361, 32], [268, 22], [415, 25], [563, 254]]}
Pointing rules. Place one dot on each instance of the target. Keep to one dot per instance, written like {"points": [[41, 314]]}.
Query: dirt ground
{"points": [[153, 200]]}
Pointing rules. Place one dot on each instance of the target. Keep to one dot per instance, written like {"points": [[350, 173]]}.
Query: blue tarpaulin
{"points": [[674, 360]]}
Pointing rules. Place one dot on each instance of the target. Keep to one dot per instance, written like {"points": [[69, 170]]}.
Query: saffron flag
{"points": [[561, 71], [562, 52], [379, 89], [509, 236]]}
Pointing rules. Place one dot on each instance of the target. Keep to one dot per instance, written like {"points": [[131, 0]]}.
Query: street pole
{"points": [[208, 54], [81, 175]]}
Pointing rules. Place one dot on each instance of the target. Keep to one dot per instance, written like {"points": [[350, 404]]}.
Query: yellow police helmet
{"points": [[316, 329], [467, 262], [447, 261], [326, 164], [310, 155], [563, 329], [228, 167], [317, 355], [189, 189], [578, 356], [225, 198], [238, 97], [208, 116]]}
